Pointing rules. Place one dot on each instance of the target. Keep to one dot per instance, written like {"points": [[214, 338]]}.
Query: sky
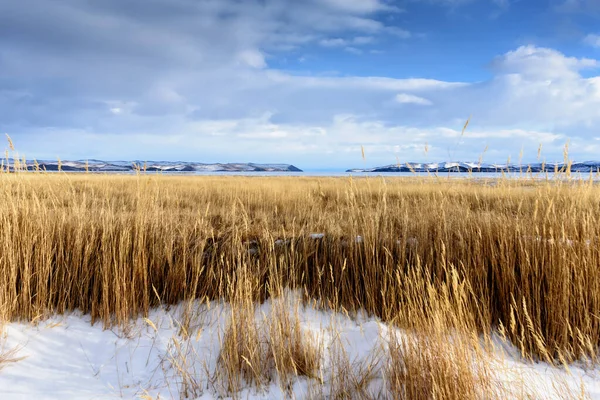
{"points": [[304, 82]]}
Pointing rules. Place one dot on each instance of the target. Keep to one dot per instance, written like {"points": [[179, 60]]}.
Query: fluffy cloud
{"points": [[185, 79], [539, 63], [252, 58], [592, 40]]}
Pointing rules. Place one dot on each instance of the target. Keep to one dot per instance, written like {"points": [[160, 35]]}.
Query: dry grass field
{"points": [[453, 264]]}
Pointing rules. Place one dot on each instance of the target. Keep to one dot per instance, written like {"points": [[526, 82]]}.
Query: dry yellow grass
{"points": [[468, 256]]}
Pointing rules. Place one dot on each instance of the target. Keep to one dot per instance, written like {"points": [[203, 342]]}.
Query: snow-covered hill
{"points": [[586, 166], [165, 166]]}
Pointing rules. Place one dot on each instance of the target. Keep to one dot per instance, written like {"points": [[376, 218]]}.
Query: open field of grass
{"points": [[455, 265]]}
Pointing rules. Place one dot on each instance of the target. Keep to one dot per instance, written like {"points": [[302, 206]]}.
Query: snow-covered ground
{"points": [[65, 357]]}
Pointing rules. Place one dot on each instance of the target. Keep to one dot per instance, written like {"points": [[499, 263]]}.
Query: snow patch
{"points": [[68, 357]]}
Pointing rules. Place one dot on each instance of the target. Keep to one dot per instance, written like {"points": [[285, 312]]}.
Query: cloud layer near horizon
{"points": [[203, 81]]}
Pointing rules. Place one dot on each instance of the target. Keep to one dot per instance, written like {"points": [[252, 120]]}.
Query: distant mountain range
{"points": [[164, 166], [184, 166], [586, 166]]}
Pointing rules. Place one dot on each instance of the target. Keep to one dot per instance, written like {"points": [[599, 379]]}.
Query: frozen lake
{"points": [[325, 174], [441, 175]]}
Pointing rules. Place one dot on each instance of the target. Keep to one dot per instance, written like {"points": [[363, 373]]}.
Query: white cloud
{"points": [[339, 42], [252, 58], [334, 143], [592, 40], [541, 63], [364, 83], [404, 98], [360, 6], [119, 107]]}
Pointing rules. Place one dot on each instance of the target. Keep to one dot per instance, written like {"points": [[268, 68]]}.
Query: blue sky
{"points": [[306, 82]]}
